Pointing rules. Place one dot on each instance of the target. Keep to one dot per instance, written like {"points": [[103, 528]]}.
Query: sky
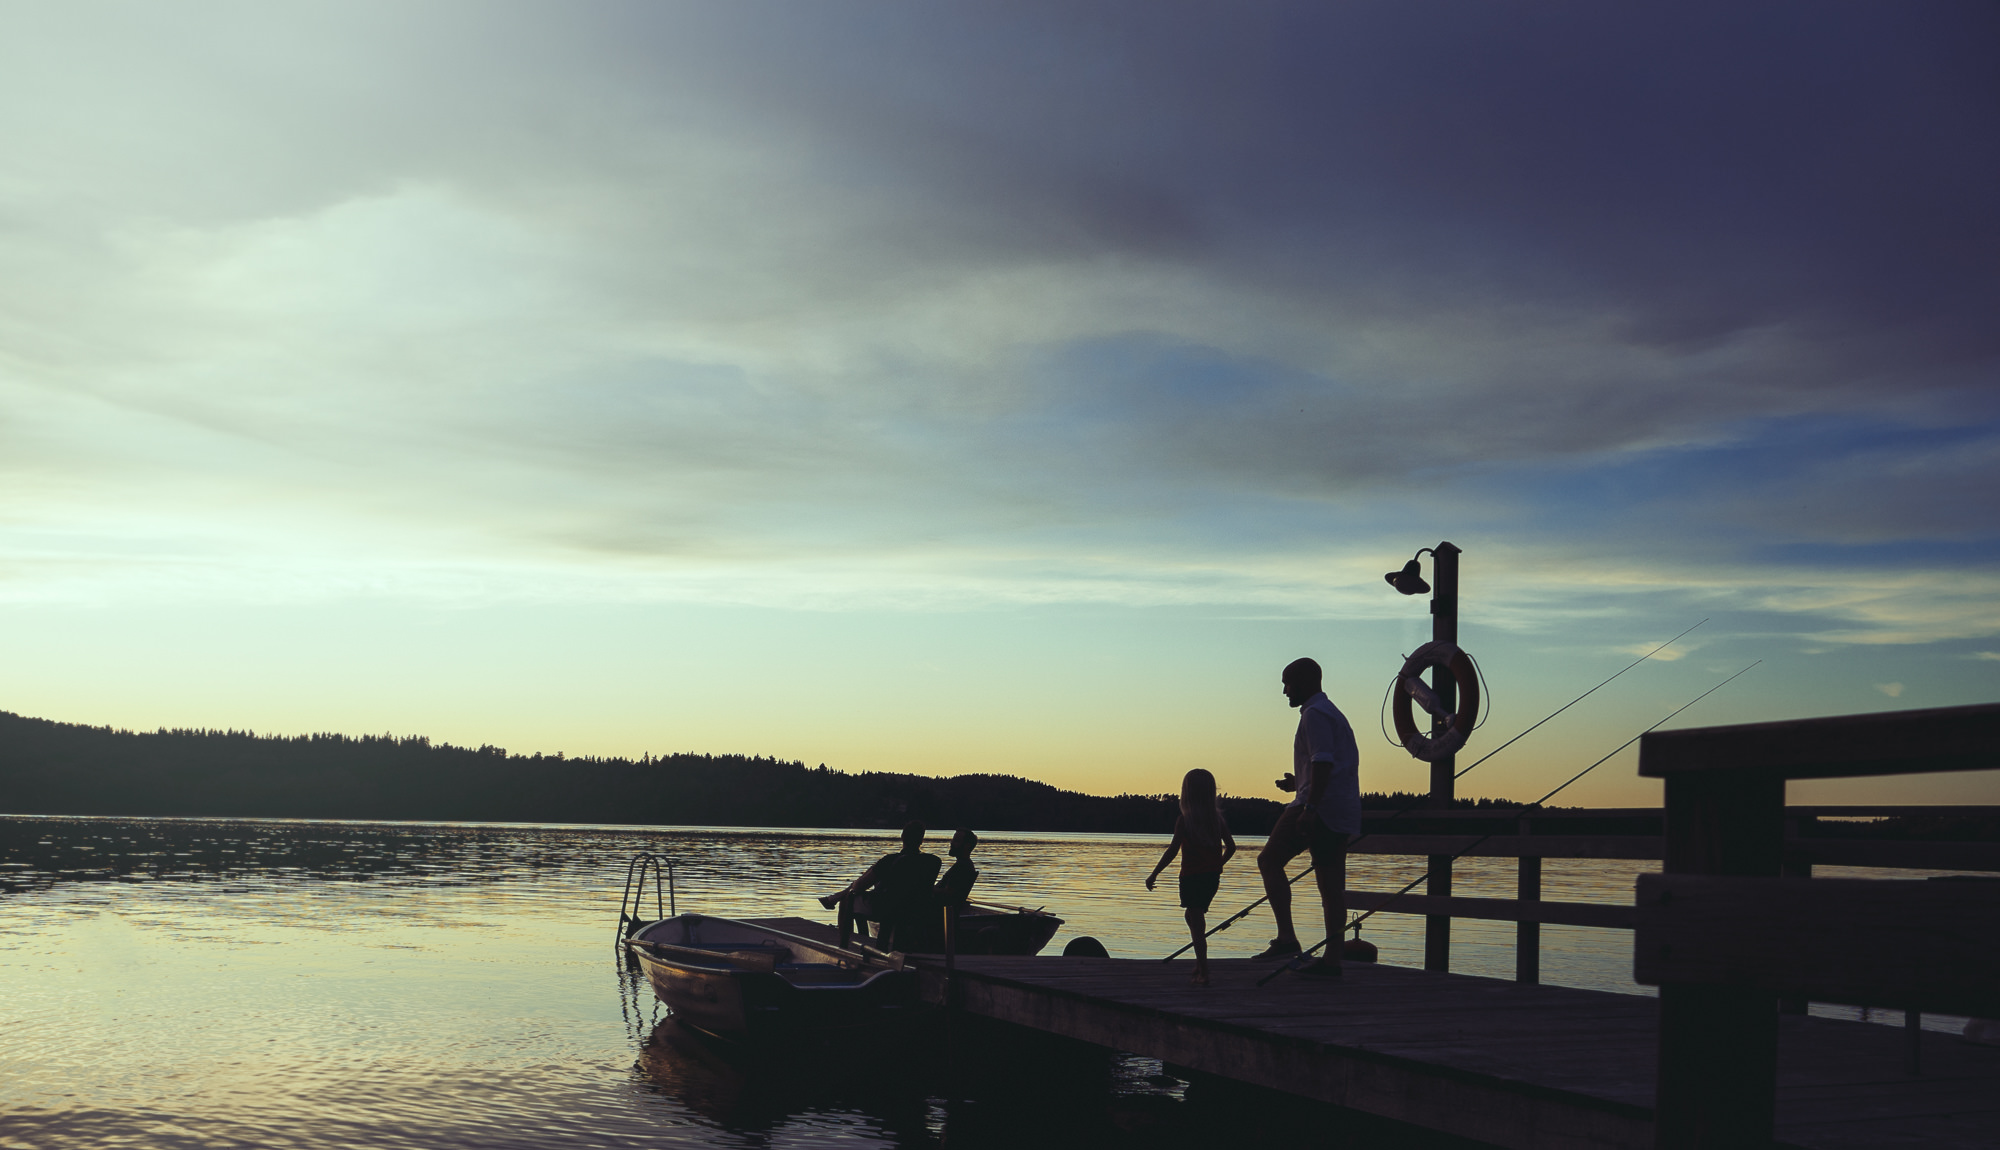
{"points": [[997, 386]]}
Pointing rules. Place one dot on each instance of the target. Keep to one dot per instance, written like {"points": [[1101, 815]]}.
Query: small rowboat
{"points": [[748, 981]]}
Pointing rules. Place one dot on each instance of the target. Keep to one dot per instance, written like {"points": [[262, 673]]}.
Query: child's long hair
{"points": [[1201, 815]]}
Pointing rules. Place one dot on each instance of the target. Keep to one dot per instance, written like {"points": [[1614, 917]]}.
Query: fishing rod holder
{"points": [[660, 869]]}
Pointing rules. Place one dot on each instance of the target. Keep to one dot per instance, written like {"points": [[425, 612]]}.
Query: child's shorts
{"points": [[1198, 890]]}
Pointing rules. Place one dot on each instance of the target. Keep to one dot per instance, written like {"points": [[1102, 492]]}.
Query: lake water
{"points": [[181, 983]]}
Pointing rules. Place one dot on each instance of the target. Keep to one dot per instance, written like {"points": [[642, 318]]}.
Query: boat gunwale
{"points": [[868, 956]]}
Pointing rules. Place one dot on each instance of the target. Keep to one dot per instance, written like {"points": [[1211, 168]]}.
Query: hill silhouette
{"points": [[64, 768]]}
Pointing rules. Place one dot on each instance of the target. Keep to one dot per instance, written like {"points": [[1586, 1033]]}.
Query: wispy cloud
{"points": [[748, 305], [1893, 690]]}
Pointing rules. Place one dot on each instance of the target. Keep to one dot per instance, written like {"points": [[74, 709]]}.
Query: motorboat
{"points": [[749, 980], [985, 928]]}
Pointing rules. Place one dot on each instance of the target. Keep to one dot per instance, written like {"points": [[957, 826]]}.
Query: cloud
{"points": [[1987, 656], [1893, 690], [750, 303]]}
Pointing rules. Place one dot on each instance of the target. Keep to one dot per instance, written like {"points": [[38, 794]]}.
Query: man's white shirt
{"points": [[1325, 743]]}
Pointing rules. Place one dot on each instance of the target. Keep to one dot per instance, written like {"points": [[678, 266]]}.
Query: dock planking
{"points": [[1513, 1064]]}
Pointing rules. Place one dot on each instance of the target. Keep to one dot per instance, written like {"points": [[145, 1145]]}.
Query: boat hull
{"points": [[737, 980]]}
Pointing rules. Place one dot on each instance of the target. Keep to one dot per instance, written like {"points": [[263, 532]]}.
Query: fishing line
{"points": [[1233, 919], [1299, 960], [1574, 702]]}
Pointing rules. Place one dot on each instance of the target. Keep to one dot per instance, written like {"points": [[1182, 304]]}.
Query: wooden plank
{"points": [[1893, 743], [1487, 1106], [1508, 814], [1931, 946], [1911, 854], [1403, 1043], [1890, 812], [1493, 909], [1514, 846], [1382, 818]]}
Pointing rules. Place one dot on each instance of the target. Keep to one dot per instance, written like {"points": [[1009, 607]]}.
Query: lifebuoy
{"points": [[1409, 685]]}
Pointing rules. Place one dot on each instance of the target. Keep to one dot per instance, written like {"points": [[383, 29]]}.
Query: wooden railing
{"points": [[1533, 837], [1731, 928]]}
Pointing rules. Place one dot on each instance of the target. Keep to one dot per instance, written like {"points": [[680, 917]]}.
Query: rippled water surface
{"points": [[174, 983]]}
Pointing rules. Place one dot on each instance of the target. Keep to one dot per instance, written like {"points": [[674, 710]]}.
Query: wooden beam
{"points": [[1895, 743], [1846, 811], [1931, 946], [1514, 846], [1490, 1108], [1612, 915], [1906, 853], [1933, 810], [1914, 854]]}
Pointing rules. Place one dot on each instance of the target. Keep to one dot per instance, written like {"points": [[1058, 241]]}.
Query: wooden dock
{"points": [[1508, 1063]]}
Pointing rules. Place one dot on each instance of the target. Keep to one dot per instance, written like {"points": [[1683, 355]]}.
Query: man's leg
{"points": [[846, 920], [1329, 854], [1281, 848]]}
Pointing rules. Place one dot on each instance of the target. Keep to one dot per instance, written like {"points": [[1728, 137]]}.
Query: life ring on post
{"points": [[1410, 686]]}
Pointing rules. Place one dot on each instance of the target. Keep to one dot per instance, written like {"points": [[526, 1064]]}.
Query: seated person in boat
{"points": [[956, 885], [896, 890], [925, 933]]}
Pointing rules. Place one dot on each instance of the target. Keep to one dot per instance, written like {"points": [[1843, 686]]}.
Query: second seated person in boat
{"points": [[924, 934], [893, 893]]}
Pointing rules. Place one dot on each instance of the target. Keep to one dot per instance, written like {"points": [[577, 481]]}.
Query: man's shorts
{"points": [[1198, 890], [1290, 839]]}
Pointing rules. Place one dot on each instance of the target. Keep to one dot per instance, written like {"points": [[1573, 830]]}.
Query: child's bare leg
{"points": [[1198, 928]]}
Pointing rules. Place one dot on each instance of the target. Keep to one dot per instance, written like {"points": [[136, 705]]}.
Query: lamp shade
{"points": [[1410, 580]]}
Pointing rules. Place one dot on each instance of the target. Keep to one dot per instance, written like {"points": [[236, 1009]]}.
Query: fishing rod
{"points": [[1233, 919], [1299, 960]]}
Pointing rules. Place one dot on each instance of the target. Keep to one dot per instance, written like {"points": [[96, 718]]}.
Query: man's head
{"points": [[913, 836], [1301, 679], [962, 844]]}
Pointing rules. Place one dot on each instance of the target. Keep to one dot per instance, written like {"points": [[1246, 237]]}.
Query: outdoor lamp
{"points": [[1410, 580]]}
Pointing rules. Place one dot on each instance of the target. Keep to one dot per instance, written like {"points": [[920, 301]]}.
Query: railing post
{"points": [[1719, 1044], [1794, 866], [1444, 626], [1528, 935]]}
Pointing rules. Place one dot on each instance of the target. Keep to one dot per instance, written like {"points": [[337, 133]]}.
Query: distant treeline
{"points": [[64, 768]]}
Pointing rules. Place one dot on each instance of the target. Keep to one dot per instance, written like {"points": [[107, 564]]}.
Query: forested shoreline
{"points": [[48, 767]]}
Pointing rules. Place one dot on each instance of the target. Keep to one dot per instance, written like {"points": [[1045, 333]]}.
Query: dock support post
{"points": [[1528, 935], [1719, 1044], [1913, 1034], [1444, 625], [1794, 867]]}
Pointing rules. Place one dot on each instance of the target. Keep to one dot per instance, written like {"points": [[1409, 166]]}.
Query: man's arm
{"points": [[1319, 777], [866, 880]]}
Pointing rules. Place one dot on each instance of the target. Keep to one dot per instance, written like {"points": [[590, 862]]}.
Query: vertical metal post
{"points": [[1444, 626], [1528, 935]]}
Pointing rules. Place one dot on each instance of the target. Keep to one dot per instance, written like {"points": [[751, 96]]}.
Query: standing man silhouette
{"points": [[1323, 815]]}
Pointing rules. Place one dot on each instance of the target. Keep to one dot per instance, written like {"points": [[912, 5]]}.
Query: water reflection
{"points": [[176, 982]]}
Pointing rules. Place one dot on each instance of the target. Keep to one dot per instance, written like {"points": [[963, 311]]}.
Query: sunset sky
{"points": [[996, 386]]}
